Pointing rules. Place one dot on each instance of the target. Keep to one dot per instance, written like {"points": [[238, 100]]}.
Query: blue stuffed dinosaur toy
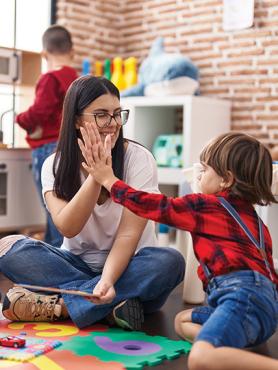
{"points": [[161, 66]]}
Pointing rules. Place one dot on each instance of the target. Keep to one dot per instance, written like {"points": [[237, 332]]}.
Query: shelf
{"points": [[173, 101], [170, 176], [197, 118], [27, 64], [30, 68]]}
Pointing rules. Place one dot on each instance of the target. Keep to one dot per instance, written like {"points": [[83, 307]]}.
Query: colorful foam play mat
{"points": [[58, 346], [34, 347]]}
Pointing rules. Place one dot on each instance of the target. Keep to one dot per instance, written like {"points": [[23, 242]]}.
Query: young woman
{"points": [[106, 250], [230, 241]]}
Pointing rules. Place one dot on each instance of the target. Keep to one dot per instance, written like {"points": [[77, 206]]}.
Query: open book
{"points": [[57, 290]]}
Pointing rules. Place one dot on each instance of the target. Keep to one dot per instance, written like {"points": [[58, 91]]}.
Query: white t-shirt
{"points": [[96, 238]]}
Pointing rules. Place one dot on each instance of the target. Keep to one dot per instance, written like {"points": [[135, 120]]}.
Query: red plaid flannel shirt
{"points": [[218, 240]]}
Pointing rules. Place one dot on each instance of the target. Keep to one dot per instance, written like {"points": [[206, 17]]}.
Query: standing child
{"points": [[230, 241], [42, 120]]}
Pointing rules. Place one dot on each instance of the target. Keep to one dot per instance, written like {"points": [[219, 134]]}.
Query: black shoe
{"points": [[129, 314]]}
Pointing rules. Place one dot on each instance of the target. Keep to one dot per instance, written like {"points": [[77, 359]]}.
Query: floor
{"points": [[161, 323]]}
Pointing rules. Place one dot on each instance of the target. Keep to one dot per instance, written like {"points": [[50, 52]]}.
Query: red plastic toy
{"points": [[12, 341]]}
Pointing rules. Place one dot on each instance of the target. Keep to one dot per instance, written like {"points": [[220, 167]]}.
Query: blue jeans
{"points": [[242, 310], [151, 276], [39, 155]]}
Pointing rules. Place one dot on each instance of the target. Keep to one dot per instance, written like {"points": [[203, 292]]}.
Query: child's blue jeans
{"points": [[242, 310], [151, 276]]}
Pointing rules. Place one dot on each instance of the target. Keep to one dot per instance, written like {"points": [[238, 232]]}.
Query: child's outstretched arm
{"points": [[178, 212]]}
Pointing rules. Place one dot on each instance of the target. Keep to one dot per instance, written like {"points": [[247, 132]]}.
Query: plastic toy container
{"points": [[167, 150]]}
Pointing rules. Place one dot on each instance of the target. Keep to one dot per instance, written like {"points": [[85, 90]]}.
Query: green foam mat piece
{"points": [[132, 349]]}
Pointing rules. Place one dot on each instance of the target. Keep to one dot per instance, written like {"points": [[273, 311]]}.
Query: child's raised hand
{"points": [[101, 169], [98, 160], [107, 145], [90, 139]]}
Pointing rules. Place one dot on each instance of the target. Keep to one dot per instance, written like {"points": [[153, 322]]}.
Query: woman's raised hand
{"points": [[98, 160]]}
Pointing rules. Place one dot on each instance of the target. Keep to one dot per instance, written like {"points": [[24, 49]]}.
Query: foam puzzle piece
{"points": [[60, 330], [34, 347], [96, 347], [69, 361], [132, 349], [12, 365]]}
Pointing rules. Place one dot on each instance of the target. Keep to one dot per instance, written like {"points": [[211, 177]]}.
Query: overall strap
{"points": [[206, 270], [261, 245], [239, 220]]}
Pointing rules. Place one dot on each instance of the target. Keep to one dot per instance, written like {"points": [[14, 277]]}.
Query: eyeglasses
{"points": [[103, 119]]}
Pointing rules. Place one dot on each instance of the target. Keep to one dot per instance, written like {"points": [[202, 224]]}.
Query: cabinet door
{"points": [[20, 205], [3, 189], [8, 199], [31, 212]]}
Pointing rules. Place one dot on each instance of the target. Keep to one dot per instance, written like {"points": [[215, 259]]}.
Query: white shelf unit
{"points": [[203, 118]]}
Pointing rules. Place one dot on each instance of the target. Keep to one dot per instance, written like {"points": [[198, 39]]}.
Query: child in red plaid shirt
{"points": [[230, 241]]}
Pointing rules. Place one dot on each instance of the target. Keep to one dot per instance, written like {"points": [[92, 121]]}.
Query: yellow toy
{"points": [[117, 75], [98, 68], [130, 75]]}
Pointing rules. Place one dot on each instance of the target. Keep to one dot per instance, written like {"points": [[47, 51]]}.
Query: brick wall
{"points": [[93, 24], [241, 66]]}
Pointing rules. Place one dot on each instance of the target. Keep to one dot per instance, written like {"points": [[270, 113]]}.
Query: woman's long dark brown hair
{"points": [[67, 161], [248, 160]]}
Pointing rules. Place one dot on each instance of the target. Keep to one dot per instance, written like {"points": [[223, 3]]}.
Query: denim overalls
{"points": [[242, 306]]}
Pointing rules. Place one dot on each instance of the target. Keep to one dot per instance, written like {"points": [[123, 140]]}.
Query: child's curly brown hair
{"points": [[248, 160]]}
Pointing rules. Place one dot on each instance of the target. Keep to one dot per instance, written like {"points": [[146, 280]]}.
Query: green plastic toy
{"points": [[107, 69]]}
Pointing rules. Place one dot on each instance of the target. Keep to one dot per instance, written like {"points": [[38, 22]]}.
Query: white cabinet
{"points": [[202, 119], [20, 205]]}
